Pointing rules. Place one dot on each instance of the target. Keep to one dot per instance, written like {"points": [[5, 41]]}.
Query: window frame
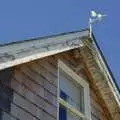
{"points": [[82, 82]]}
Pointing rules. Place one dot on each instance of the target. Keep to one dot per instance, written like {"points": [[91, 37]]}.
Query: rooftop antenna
{"points": [[94, 17]]}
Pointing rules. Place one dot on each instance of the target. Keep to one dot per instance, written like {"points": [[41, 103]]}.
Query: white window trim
{"points": [[83, 83]]}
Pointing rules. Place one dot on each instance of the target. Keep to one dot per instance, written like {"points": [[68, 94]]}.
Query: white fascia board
{"points": [[18, 53], [32, 57], [106, 73]]}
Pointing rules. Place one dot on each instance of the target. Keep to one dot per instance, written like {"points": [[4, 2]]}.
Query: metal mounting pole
{"points": [[90, 27]]}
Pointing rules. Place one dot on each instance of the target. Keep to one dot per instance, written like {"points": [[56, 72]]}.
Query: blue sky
{"points": [[23, 19]]}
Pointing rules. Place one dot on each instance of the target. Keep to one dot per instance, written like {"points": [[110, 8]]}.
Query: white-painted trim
{"points": [[72, 74], [81, 82], [69, 107], [106, 73], [22, 52], [34, 57]]}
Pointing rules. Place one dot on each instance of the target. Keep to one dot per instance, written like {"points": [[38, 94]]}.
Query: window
{"points": [[73, 95]]}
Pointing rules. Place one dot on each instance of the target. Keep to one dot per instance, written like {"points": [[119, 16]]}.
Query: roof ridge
{"points": [[43, 37]]}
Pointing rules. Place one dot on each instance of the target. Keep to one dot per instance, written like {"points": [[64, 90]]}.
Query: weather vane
{"points": [[94, 17]]}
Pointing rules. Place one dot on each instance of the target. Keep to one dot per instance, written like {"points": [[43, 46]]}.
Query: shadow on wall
{"points": [[6, 94]]}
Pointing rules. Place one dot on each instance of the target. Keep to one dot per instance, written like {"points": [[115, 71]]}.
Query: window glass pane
{"points": [[63, 95], [62, 113], [72, 92], [65, 114]]}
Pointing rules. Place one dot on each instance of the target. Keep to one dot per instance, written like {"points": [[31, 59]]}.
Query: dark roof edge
{"points": [[44, 37], [106, 64]]}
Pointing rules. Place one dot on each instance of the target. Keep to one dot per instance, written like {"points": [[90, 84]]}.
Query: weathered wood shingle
{"points": [[32, 89]]}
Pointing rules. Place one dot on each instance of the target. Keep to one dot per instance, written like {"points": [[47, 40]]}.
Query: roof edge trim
{"points": [[112, 82]]}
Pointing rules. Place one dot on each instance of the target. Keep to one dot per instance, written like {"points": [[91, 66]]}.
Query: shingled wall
{"points": [[29, 91]]}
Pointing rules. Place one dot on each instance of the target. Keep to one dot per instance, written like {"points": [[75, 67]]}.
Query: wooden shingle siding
{"points": [[6, 94], [22, 107], [96, 109], [6, 116], [34, 90], [21, 113], [45, 73], [27, 94]]}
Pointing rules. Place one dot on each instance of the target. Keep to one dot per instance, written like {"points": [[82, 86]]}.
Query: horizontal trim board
{"points": [[18, 53], [69, 107]]}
